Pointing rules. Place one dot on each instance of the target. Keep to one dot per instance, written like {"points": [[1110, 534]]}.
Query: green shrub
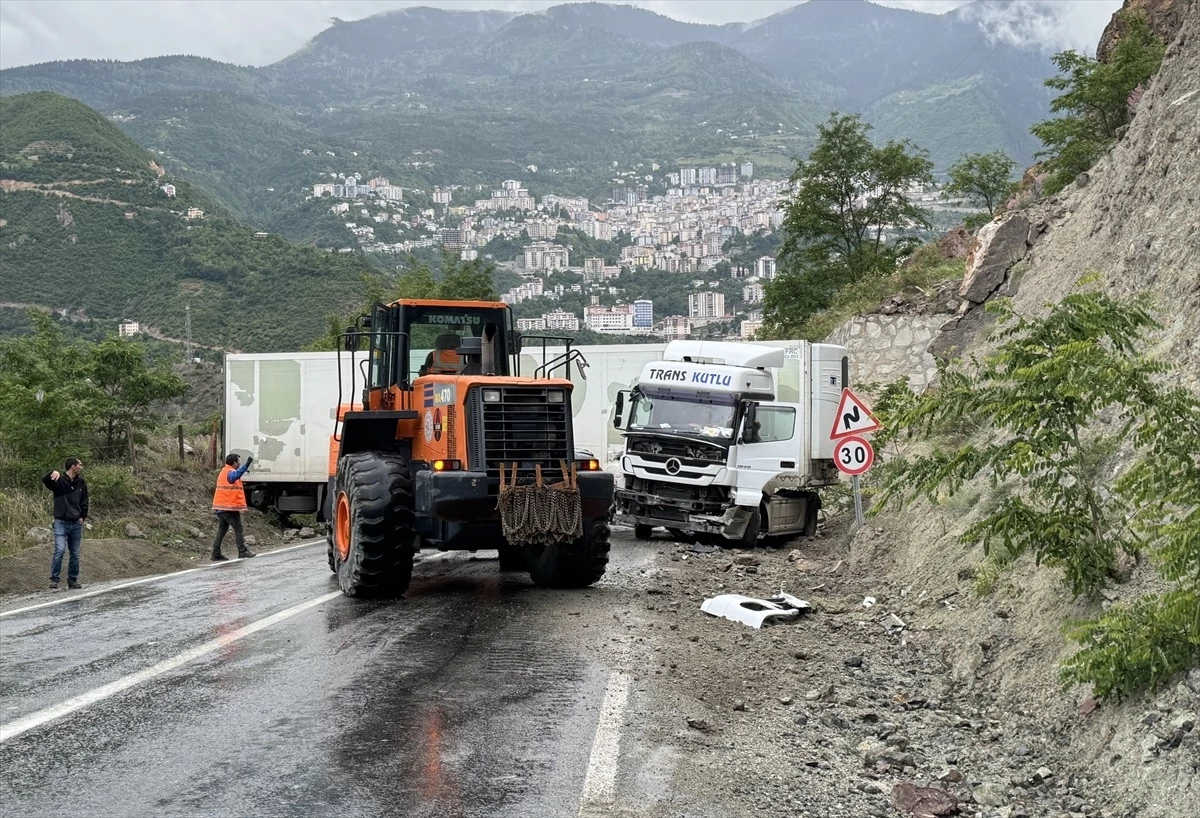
{"points": [[1057, 400], [110, 488]]}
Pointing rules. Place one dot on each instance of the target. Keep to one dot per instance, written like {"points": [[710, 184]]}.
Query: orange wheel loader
{"points": [[415, 459]]}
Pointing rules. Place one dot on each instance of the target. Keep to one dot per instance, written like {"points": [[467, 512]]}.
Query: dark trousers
{"points": [[67, 536], [225, 521]]}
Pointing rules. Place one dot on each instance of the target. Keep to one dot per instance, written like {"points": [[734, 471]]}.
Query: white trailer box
{"points": [[281, 408]]}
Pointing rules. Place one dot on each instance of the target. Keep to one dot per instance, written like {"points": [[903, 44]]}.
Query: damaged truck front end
{"points": [[682, 485]]}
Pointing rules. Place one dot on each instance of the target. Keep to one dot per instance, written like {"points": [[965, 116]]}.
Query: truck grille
{"points": [[523, 427]]}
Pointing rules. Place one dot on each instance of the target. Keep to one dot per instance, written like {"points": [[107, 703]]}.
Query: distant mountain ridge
{"points": [[89, 220], [569, 90]]}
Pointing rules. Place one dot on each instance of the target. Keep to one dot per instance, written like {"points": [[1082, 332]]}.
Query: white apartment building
{"points": [[523, 292], [707, 176], [527, 324], [596, 229], [609, 319], [764, 268], [127, 328], [749, 329], [561, 319], [442, 195], [542, 255], [706, 305], [542, 229], [687, 176], [753, 293], [675, 327]]}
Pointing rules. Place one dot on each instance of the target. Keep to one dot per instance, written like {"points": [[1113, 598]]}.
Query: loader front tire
{"points": [[575, 564], [373, 525]]}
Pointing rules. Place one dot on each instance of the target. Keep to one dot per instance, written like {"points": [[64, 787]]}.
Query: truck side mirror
{"points": [[748, 420], [619, 410]]}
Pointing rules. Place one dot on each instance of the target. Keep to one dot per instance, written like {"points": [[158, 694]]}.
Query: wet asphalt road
{"points": [[465, 699]]}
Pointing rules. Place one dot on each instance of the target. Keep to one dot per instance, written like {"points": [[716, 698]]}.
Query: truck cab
{"points": [[711, 453]]}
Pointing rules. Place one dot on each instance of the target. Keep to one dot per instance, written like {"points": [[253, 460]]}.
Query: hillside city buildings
{"points": [[679, 223]]}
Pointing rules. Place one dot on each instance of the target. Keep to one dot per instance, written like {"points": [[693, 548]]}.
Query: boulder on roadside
{"points": [[307, 533], [39, 534], [990, 794], [133, 532], [923, 801], [998, 246]]}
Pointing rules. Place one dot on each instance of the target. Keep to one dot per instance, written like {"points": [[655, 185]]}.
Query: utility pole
{"points": [[187, 338]]}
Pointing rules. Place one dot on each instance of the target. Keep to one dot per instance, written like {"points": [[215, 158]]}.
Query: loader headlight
{"points": [[556, 396], [491, 396]]}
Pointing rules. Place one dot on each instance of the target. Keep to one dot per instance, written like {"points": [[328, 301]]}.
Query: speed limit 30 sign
{"points": [[853, 455]]}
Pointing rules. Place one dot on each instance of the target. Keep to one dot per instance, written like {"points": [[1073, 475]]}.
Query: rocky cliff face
{"points": [[1164, 16], [1133, 221], [1135, 218]]}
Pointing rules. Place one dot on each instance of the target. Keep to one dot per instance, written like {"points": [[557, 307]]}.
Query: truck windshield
{"points": [[686, 412]]}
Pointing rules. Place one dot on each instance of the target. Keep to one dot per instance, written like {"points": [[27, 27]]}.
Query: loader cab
{"points": [[413, 338]]}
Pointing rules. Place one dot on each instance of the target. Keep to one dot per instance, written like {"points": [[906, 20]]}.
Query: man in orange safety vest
{"points": [[229, 501]]}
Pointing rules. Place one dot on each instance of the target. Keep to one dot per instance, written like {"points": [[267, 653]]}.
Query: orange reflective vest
{"points": [[229, 496]]}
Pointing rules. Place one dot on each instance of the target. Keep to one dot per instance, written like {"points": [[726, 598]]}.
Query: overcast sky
{"points": [[257, 32]]}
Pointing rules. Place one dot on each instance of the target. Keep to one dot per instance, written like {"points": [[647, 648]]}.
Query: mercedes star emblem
{"points": [[673, 465]]}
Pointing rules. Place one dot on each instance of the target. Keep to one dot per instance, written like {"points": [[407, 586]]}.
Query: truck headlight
{"points": [[557, 396], [491, 396]]}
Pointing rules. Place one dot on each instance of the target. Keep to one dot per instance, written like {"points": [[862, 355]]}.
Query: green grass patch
{"points": [[864, 296]]}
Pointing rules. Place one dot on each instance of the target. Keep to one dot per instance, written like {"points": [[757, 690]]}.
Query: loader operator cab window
{"points": [[435, 333], [442, 359]]}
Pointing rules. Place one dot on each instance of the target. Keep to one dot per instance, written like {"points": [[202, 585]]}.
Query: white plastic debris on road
{"points": [[755, 612]]}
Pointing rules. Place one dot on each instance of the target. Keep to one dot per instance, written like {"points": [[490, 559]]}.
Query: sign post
{"points": [[853, 454]]}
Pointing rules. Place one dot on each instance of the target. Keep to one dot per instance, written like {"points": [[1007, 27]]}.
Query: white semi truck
{"points": [[710, 451]]}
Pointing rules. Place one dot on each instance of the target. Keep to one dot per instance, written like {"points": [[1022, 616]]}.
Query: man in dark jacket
{"points": [[70, 513]]}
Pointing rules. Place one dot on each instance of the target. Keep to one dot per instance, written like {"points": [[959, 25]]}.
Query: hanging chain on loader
{"points": [[538, 513]]}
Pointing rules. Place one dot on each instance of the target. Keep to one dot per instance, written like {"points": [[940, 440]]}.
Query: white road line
{"points": [[599, 785], [15, 728], [76, 597]]}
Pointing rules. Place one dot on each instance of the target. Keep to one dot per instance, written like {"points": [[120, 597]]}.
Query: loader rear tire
{"points": [[512, 558], [576, 564], [373, 525]]}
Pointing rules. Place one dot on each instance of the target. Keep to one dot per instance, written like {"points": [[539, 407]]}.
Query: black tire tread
{"points": [[574, 565], [381, 524]]}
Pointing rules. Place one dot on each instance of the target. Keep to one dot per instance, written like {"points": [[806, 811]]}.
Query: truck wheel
{"points": [[811, 506], [642, 531], [373, 525], [571, 565], [749, 538], [513, 559]]}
